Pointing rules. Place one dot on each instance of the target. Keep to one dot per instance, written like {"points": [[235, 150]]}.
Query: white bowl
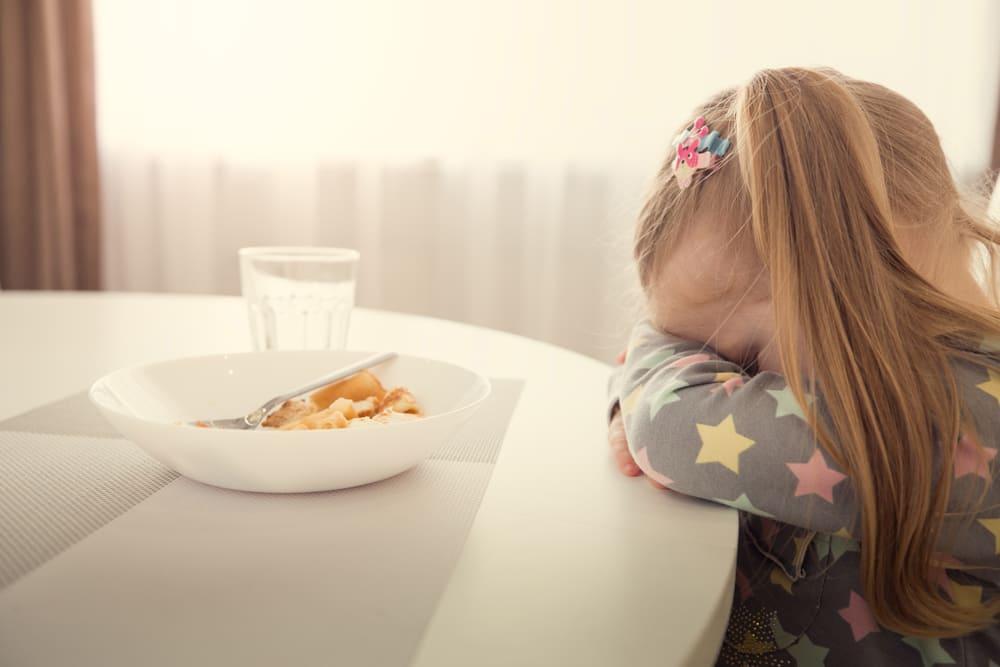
{"points": [[151, 405]]}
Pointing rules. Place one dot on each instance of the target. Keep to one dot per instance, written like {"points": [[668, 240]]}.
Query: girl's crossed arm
{"points": [[698, 424]]}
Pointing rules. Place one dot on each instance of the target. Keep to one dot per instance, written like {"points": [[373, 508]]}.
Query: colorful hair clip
{"points": [[697, 148]]}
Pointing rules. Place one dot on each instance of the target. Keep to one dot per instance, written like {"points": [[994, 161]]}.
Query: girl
{"points": [[821, 356]]}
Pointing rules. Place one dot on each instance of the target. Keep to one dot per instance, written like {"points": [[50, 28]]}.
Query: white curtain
{"points": [[486, 158]]}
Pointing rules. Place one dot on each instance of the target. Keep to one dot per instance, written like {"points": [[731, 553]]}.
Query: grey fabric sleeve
{"points": [[703, 427]]}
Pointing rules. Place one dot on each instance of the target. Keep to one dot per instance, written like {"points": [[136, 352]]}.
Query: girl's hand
{"points": [[616, 438], [619, 447], [619, 444]]}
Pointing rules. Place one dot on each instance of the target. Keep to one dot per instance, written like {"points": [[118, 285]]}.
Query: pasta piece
{"points": [[358, 387], [324, 419], [400, 401], [289, 411], [367, 407]]}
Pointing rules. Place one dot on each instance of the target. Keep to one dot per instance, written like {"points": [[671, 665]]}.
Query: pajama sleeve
{"points": [[703, 427]]}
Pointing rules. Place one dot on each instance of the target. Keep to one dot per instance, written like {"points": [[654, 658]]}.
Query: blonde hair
{"points": [[829, 176]]}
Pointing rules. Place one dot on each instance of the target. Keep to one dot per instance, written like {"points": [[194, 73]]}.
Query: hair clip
{"points": [[697, 148]]}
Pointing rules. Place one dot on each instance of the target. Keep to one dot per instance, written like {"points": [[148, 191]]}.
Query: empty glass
{"points": [[298, 298]]}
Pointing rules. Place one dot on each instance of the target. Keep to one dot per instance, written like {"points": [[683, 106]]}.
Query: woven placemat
{"points": [[66, 473]]}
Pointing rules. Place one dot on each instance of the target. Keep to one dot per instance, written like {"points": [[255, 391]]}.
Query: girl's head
{"points": [[831, 243]]}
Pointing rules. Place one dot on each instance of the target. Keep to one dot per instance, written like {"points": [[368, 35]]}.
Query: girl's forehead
{"points": [[707, 261]]}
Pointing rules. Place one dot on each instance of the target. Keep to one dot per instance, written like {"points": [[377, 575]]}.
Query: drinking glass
{"points": [[298, 298]]}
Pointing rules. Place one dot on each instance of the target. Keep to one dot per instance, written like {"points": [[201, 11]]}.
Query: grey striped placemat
{"points": [[66, 473], [74, 415], [57, 489]]}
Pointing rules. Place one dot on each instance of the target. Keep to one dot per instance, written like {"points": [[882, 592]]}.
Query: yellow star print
{"points": [[754, 645], [965, 596], [779, 578], [993, 525], [628, 403], [722, 444], [991, 386]]}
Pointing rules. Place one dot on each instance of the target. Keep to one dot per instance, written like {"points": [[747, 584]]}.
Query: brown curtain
{"points": [[49, 190]]}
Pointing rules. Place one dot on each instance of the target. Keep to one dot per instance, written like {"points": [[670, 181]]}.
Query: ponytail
{"points": [[855, 319]]}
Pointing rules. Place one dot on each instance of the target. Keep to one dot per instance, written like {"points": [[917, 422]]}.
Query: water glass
{"points": [[298, 298]]}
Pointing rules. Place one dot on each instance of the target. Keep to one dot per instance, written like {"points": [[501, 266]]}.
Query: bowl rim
{"points": [[482, 379]]}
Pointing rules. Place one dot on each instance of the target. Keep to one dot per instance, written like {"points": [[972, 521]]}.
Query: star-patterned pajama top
{"points": [[703, 427]]}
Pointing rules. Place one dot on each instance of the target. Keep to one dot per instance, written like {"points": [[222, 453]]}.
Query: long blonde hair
{"points": [[828, 175]]}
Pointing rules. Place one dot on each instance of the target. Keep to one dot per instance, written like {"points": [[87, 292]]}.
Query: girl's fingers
{"points": [[625, 463], [619, 448], [620, 359], [623, 457]]}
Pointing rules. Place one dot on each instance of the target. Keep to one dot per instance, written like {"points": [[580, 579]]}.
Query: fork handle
{"points": [[345, 372]]}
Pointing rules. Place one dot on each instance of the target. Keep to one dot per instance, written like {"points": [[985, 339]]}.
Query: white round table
{"points": [[567, 563]]}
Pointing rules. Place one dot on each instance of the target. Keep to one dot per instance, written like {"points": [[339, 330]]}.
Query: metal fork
{"points": [[253, 419]]}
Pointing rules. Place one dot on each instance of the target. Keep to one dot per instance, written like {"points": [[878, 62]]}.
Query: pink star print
{"points": [[642, 460], [859, 617], [815, 476], [969, 458], [690, 360], [730, 385]]}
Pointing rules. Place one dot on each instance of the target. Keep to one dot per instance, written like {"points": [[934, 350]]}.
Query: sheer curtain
{"points": [[487, 159]]}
